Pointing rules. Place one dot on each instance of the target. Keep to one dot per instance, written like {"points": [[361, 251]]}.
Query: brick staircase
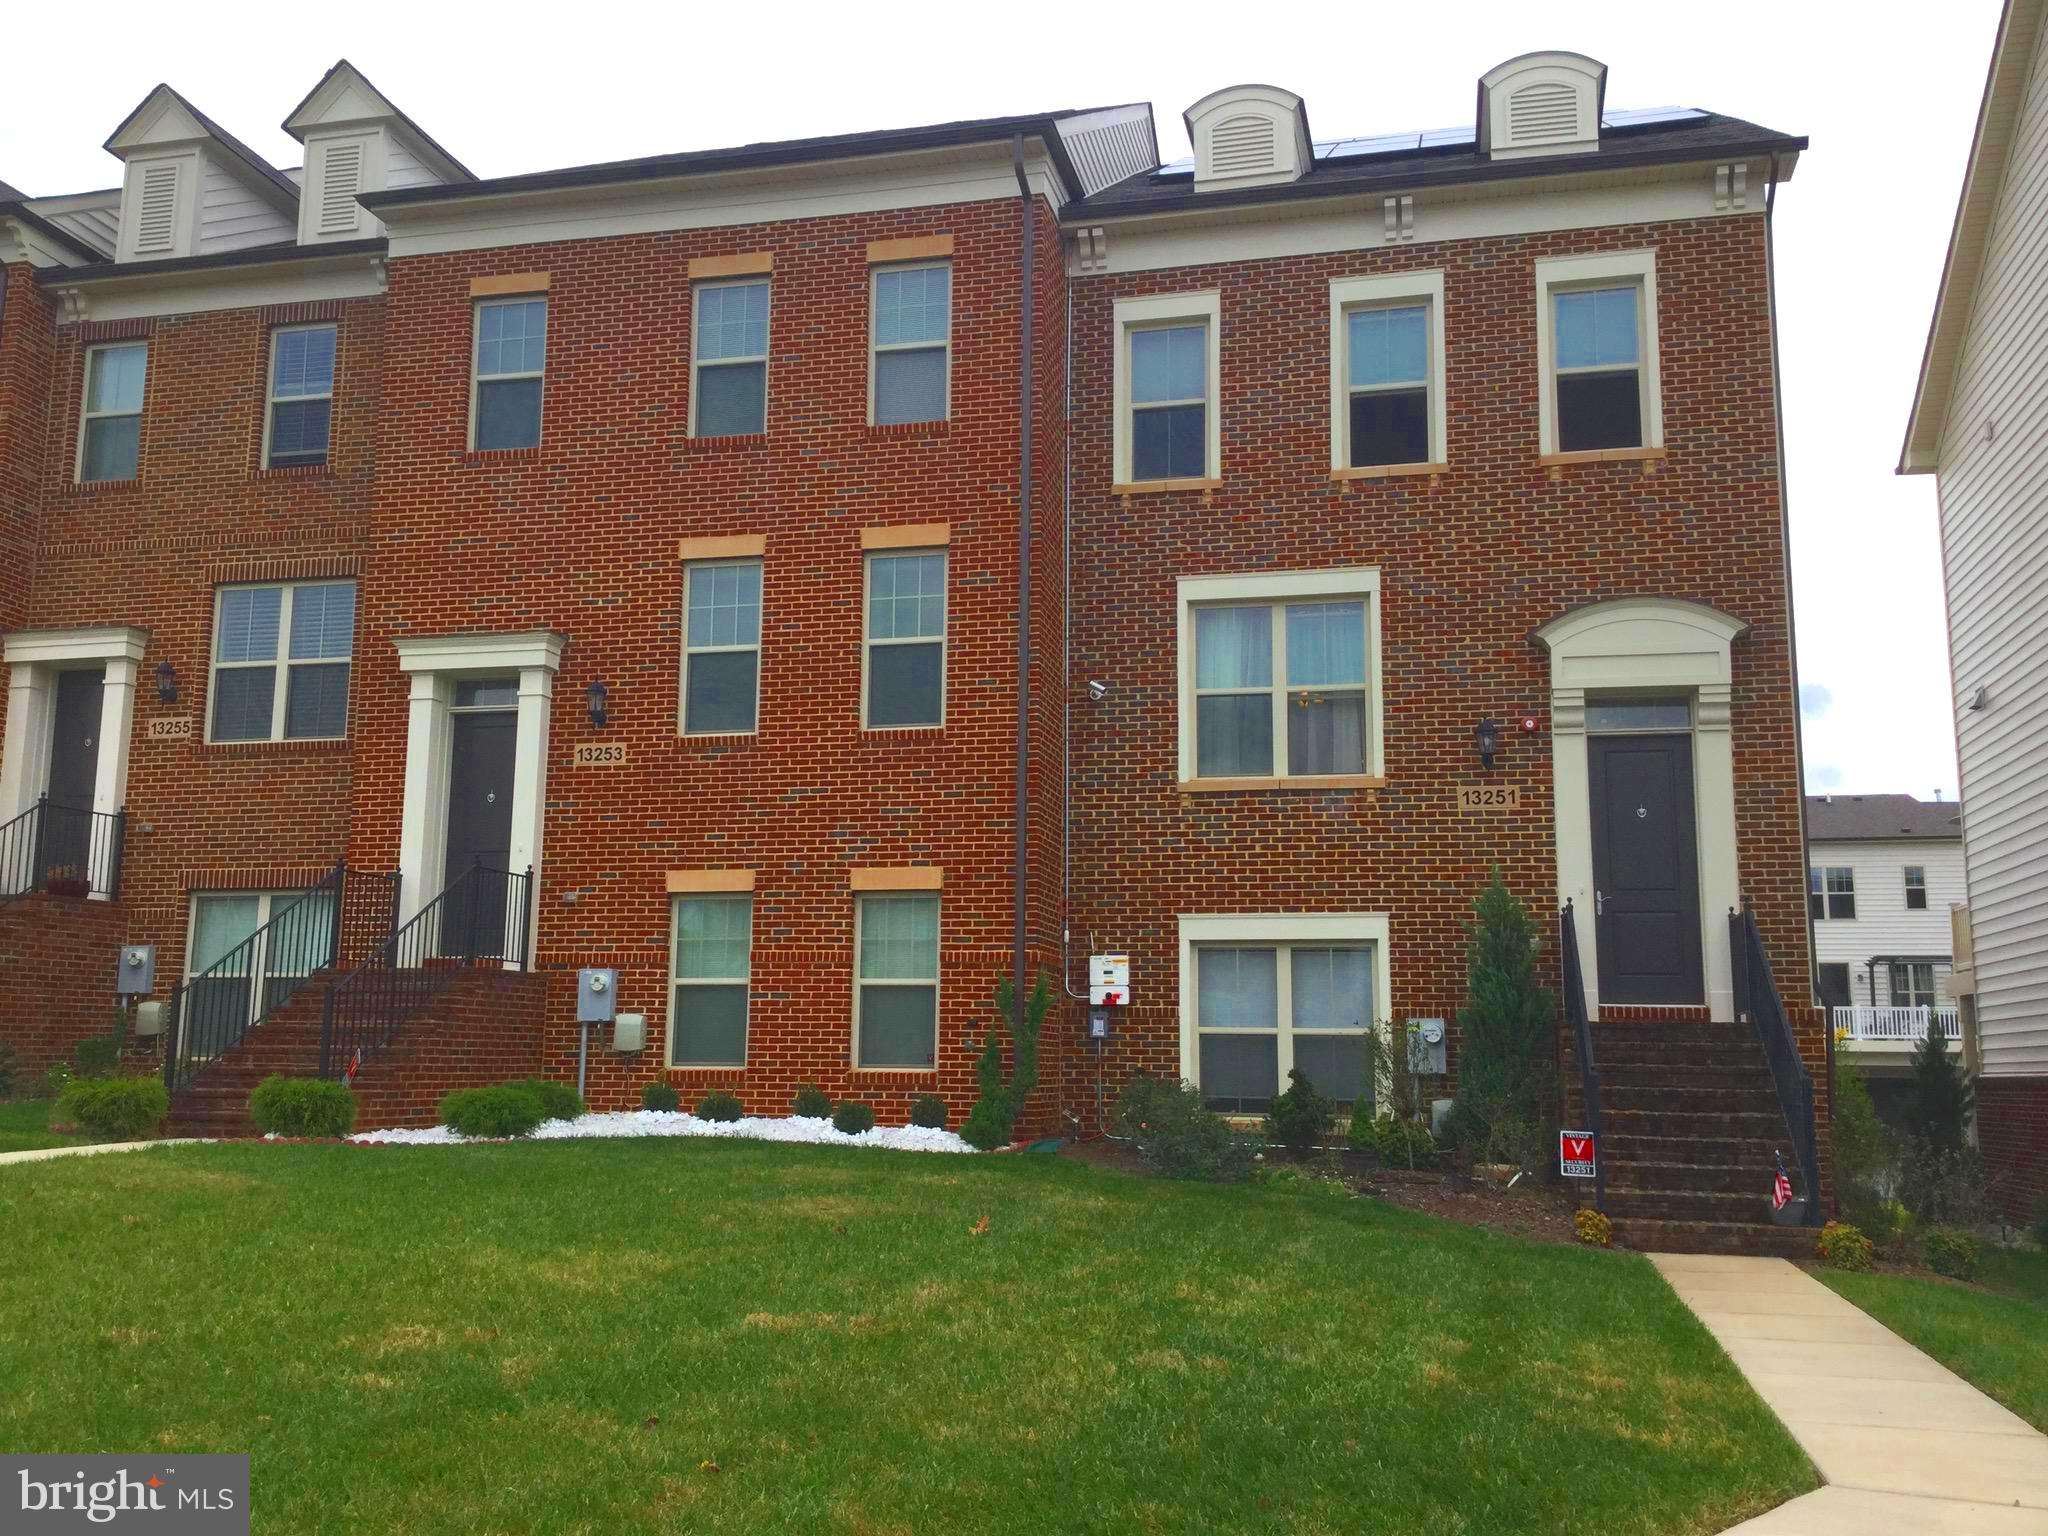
{"points": [[1693, 1126]]}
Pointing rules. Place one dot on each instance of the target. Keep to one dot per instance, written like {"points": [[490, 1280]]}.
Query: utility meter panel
{"points": [[135, 976], [1109, 981], [597, 990], [1426, 1049], [629, 1033]]}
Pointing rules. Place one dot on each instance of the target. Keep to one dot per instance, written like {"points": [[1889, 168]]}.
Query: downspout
{"points": [[1026, 418]]}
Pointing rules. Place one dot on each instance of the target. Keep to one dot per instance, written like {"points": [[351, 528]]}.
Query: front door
{"points": [[74, 774], [479, 830], [1645, 869]]}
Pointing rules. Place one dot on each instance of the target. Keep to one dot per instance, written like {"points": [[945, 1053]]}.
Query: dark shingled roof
{"points": [[12, 194], [228, 141], [1865, 818]]}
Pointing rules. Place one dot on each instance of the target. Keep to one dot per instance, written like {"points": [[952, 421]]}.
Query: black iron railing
{"points": [[1756, 994], [1582, 1042], [346, 913], [64, 850], [481, 918]]}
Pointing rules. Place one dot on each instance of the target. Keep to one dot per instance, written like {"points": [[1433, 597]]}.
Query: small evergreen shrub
{"points": [[1951, 1251], [1593, 1228], [660, 1096], [929, 1111], [1945, 1186], [811, 1103], [851, 1118], [504, 1109], [1939, 1098], [1841, 1246], [6, 1070], [996, 1111], [1301, 1116], [1177, 1134], [984, 1129], [558, 1101], [720, 1106], [1507, 1060], [1396, 1142], [302, 1106], [115, 1108]]}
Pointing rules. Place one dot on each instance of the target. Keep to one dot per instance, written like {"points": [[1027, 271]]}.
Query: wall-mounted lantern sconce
{"points": [[1486, 741], [166, 683], [594, 697]]}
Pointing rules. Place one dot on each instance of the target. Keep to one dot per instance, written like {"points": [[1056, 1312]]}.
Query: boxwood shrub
{"points": [[660, 1096], [114, 1108], [929, 1111], [720, 1106], [1177, 1134], [851, 1118], [302, 1106], [504, 1109], [811, 1102], [558, 1101]]}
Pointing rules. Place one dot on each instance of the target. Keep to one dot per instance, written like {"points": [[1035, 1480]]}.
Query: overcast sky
{"points": [[1887, 93]]}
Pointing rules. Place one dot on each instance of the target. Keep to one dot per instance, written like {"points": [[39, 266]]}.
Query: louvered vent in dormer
{"points": [[1242, 146], [156, 211], [1543, 113], [341, 178], [1248, 136], [1541, 104]]}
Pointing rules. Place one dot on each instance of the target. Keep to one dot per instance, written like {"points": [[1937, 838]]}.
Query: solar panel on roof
{"points": [[1378, 144], [1436, 138], [1185, 163], [1633, 116]]}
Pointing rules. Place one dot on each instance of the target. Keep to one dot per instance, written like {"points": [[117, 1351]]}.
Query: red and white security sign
{"points": [[1575, 1154]]}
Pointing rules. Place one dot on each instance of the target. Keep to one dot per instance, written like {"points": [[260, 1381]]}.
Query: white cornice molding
{"points": [[540, 648], [298, 279], [46, 647]]}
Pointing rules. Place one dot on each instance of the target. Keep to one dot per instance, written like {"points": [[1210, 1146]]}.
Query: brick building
{"points": [[1399, 509]]}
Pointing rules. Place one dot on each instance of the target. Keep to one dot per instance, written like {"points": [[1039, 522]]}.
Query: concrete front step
{"points": [[1647, 1235], [1730, 1206]]}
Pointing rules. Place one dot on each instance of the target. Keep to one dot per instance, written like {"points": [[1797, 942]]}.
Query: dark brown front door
{"points": [[479, 830], [74, 773], [1645, 869]]}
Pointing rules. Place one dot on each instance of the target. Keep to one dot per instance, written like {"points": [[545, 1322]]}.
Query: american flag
{"points": [[1781, 1186], [355, 1065]]}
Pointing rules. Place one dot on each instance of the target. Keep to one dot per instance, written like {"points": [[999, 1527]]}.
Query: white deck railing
{"points": [[1863, 1022]]}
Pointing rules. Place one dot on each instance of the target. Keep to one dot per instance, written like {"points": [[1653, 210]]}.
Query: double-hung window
{"points": [[913, 320], [300, 420], [1916, 888], [1280, 677], [1167, 372], [1597, 344], [896, 981], [303, 631], [110, 431], [511, 365], [1263, 1010], [904, 682], [713, 969], [1831, 891], [721, 647], [1387, 362], [729, 380], [231, 979]]}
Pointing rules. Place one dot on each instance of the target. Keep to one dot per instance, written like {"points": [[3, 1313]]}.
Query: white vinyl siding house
{"points": [[1884, 925]]}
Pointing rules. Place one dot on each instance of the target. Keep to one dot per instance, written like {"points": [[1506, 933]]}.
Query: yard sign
{"points": [[1575, 1154]]}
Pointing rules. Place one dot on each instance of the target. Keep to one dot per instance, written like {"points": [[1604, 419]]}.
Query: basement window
{"points": [[1262, 1011], [252, 978]]}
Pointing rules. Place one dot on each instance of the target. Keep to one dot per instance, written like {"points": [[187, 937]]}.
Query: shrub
{"points": [[57, 1076], [929, 1111], [1593, 1228], [1177, 1135], [719, 1106], [1945, 1186], [1301, 1116], [811, 1103], [1865, 1159], [505, 1109], [983, 1130], [1890, 1226], [1001, 1102], [1951, 1251], [6, 1069], [1507, 1061], [302, 1106], [115, 1108], [660, 1096], [1939, 1098], [1398, 1143], [558, 1101], [852, 1117], [1841, 1246]]}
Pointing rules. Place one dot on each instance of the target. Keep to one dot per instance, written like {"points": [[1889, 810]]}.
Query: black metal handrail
{"points": [[1756, 994], [1582, 1041], [481, 918], [65, 850], [316, 930]]}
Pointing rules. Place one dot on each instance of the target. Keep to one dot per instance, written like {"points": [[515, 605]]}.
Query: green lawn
{"points": [[734, 1337], [1996, 1338], [25, 1125]]}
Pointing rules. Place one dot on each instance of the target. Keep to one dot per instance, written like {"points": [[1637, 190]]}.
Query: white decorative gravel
{"points": [[657, 1122]]}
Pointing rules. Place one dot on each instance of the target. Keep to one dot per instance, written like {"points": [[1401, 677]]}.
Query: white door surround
{"points": [[1638, 645], [434, 664], [34, 657]]}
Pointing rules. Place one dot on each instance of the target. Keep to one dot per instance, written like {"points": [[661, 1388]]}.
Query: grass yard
{"points": [[1996, 1338], [737, 1337], [25, 1126]]}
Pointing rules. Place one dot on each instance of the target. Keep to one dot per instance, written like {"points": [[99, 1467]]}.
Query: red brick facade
{"points": [[2012, 1130]]}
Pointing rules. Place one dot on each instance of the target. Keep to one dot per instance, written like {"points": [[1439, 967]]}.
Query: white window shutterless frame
{"points": [[711, 973], [1590, 342], [245, 981], [508, 373], [903, 650], [281, 662], [1175, 384], [729, 358], [896, 983], [910, 356], [1387, 346], [298, 418], [721, 683], [110, 418]]}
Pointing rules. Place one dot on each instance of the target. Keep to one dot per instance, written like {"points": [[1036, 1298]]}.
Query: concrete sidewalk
{"points": [[1905, 1444], [39, 1154]]}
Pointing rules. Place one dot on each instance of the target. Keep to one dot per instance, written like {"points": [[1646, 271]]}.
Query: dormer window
{"points": [[1248, 136], [1541, 104]]}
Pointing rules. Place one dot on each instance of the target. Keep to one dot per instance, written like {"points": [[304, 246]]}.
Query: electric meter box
{"points": [[596, 995], [135, 976], [1427, 1052], [1109, 981]]}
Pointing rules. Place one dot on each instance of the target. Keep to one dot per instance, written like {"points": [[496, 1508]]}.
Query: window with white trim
{"points": [[1167, 375], [247, 979], [896, 981], [1386, 371], [913, 328], [1597, 353], [721, 647], [110, 426], [281, 659], [1831, 891], [1916, 888], [903, 672], [300, 419], [729, 351], [712, 945], [1263, 1010], [1280, 677], [511, 362], [1912, 984]]}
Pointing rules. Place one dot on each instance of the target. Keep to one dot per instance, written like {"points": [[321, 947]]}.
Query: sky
{"points": [[1888, 94]]}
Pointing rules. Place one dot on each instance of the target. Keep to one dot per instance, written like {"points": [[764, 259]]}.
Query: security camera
{"points": [[1098, 691]]}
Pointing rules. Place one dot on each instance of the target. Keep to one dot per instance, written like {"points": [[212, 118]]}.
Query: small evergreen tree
{"points": [[1939, 1098], [1863, 1150], [990, 1121], [1507, 1065]]}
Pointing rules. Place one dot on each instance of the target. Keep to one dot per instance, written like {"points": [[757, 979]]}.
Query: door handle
{"points": [[1599, 903]]}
